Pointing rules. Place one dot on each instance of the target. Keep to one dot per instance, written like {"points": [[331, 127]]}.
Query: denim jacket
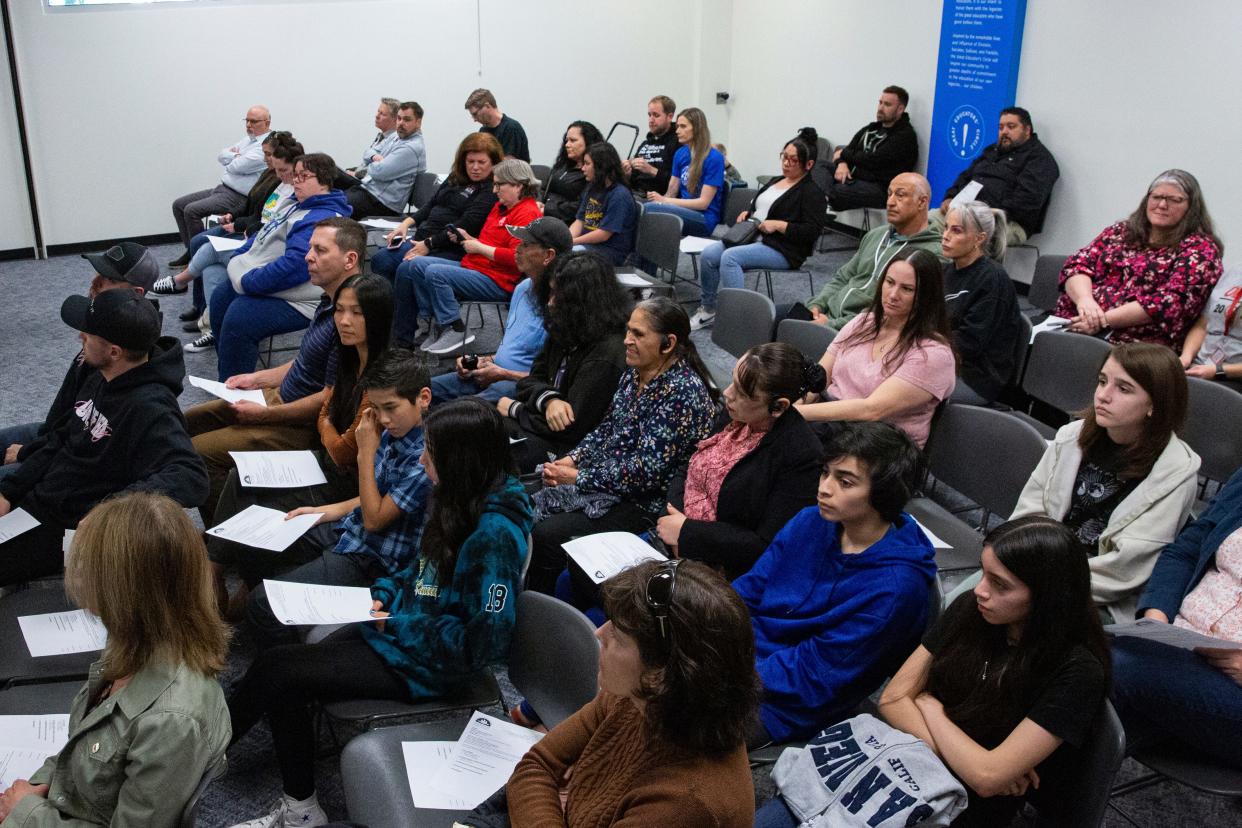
{"points": [[136, 757]]}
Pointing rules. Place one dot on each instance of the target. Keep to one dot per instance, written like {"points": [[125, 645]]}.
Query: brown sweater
{"points": [[620, 778]]}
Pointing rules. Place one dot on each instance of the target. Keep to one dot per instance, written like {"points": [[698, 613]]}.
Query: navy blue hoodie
{"points": [[830, 626]]}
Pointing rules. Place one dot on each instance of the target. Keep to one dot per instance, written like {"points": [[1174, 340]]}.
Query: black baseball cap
{"points": [[546, 232], [122, 317], [126, 262]]}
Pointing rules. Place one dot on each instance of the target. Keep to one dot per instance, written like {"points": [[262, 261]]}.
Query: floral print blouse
{"points": [[646, 436], [1171, 283]]}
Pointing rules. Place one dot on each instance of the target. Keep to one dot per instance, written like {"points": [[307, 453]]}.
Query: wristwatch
{"points": [[1220, 371]]}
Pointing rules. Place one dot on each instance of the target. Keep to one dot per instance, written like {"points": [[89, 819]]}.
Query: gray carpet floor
{"points": [[34, 349]]}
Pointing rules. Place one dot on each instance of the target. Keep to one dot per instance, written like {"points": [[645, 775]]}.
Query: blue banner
{"points": [[976, 77]]}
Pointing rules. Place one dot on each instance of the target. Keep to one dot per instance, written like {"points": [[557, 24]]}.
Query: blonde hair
{"points": [[700, 145], [139, 564]]}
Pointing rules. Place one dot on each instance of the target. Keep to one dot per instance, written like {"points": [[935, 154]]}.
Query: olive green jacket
{"points": [[136, 757]]}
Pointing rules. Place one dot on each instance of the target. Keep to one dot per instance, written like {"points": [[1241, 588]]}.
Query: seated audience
{"points": [[488, 271], [1006, 686], [243, 164], [982, 303], [1166, 693], [115, 426], [732, 176], [1017, 174], [790, 211], [386, 123], [878, 153], [441, 620], [293, 392], [540, 244], [483, 110], [1213, 346], [463, 200], [151, 720], [563, 189], [606, 221], [617, 478], [663, 742], [573, 376], [757, 469], [362, 310], [1146, 279], [850, 290], [894, 362], [268, 290], [649, 169], [696, 187], [389, 177], [380, 528], [840, 596], [1120, 478]]}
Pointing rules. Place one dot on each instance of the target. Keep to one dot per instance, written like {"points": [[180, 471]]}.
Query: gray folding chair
{"points": [[1211, 405], [811, 338], [744, 319], [1044, 290], [1182, 764], [1061, 370], [659, 242], [425, 187], [17, 665], [1083, 798], [553, 663], [473, 307], [543, 172]]}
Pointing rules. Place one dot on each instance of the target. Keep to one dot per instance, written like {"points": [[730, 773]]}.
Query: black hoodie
{"points": [[127, 434], [879, 153]]}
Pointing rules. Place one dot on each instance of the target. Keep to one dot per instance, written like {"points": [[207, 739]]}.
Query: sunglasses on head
{"points": [[659, 594]]}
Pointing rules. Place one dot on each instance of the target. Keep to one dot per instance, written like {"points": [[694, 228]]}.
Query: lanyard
{"points": [[1233, 308]]}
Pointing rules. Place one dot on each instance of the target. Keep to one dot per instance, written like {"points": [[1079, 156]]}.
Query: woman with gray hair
{"points": [[1146, 279], [488, 271], [981, 301]]}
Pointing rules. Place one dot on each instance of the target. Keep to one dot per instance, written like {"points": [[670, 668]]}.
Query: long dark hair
{"points": [[590, 135], [374, 296], [700, 684], [1196, 220], [467, 441], [666, 318], [928, 318], [590, 303], [1157, 370], [985, 684], [608, 169]]}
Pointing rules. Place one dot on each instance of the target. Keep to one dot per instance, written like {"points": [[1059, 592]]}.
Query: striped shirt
{"points": [[315, 365]]}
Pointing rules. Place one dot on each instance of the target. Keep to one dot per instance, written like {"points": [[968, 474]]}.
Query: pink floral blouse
{"points": [[1171, 283]]}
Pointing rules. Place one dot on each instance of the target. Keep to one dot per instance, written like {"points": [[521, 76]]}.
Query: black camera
{"points": [[470, 361]]}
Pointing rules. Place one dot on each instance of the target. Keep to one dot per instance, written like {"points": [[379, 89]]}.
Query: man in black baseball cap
{"points": [[115, 426], [546, 232]]}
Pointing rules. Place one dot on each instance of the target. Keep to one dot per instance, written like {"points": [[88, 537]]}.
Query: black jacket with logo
{"points": [[896, 151]]}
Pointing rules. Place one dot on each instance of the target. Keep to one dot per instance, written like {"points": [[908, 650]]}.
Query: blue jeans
{"points": [[385, 262], [723, 267], [775, 814], [405, 304], [440, 284], [20, 435], [606, 253], [692, 222], [449, 386], [240, 323], [1163, 692]]}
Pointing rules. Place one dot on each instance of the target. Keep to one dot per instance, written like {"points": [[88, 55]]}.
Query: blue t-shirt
{"points": [[713, 175], [613, 210], [524, 332]]}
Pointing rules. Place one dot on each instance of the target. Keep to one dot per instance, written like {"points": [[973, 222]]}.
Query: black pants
{"points": [[365, 204], [548, 557], [31, 555], [283, 682], [856, 193]]}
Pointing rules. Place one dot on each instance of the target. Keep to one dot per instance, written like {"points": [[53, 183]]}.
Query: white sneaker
{"points": [[203, 343], [288, 813], [702, 318]]}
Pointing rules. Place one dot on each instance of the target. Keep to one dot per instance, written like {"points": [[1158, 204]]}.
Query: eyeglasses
{"points": [[255, 120], [303, 176], [659, 594], [791, 158], [1171, 200]]}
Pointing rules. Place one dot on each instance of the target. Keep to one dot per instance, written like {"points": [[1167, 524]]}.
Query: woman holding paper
{"points": [[363, 316], [1195, 698], [447, 616], [151, 720]]}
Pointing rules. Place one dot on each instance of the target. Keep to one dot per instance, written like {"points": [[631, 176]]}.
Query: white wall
{"points": [[1119, 90], [130, 105], [16, 228]]}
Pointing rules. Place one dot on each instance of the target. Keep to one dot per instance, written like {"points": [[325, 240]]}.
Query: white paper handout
{"points": [[26, 741], [294, 603], [227, 394], [264, 528], [223, 244], [60, 633], [695, 244], [1052, 323], [936, 541], [633, 280], [482, 760], [19, 763], [968, 193], [16, 522], [422, 761], [605, 554], [380, 224], [1170, 634], [277, 469]]}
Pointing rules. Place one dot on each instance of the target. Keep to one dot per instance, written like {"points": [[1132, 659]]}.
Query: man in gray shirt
{"points": [[385, 189]]}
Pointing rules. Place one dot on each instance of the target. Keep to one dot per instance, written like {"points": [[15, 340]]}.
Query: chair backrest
{"points": [[811, 338], [543, 172], [554, 658], [424, 188], [970, 440], [821, 173], [1044, 291], [743, 320], [189, 816], [659, 239], [1212, 405], [1020, 348], [1082, 798], [1061, 369], [739, 200]]}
